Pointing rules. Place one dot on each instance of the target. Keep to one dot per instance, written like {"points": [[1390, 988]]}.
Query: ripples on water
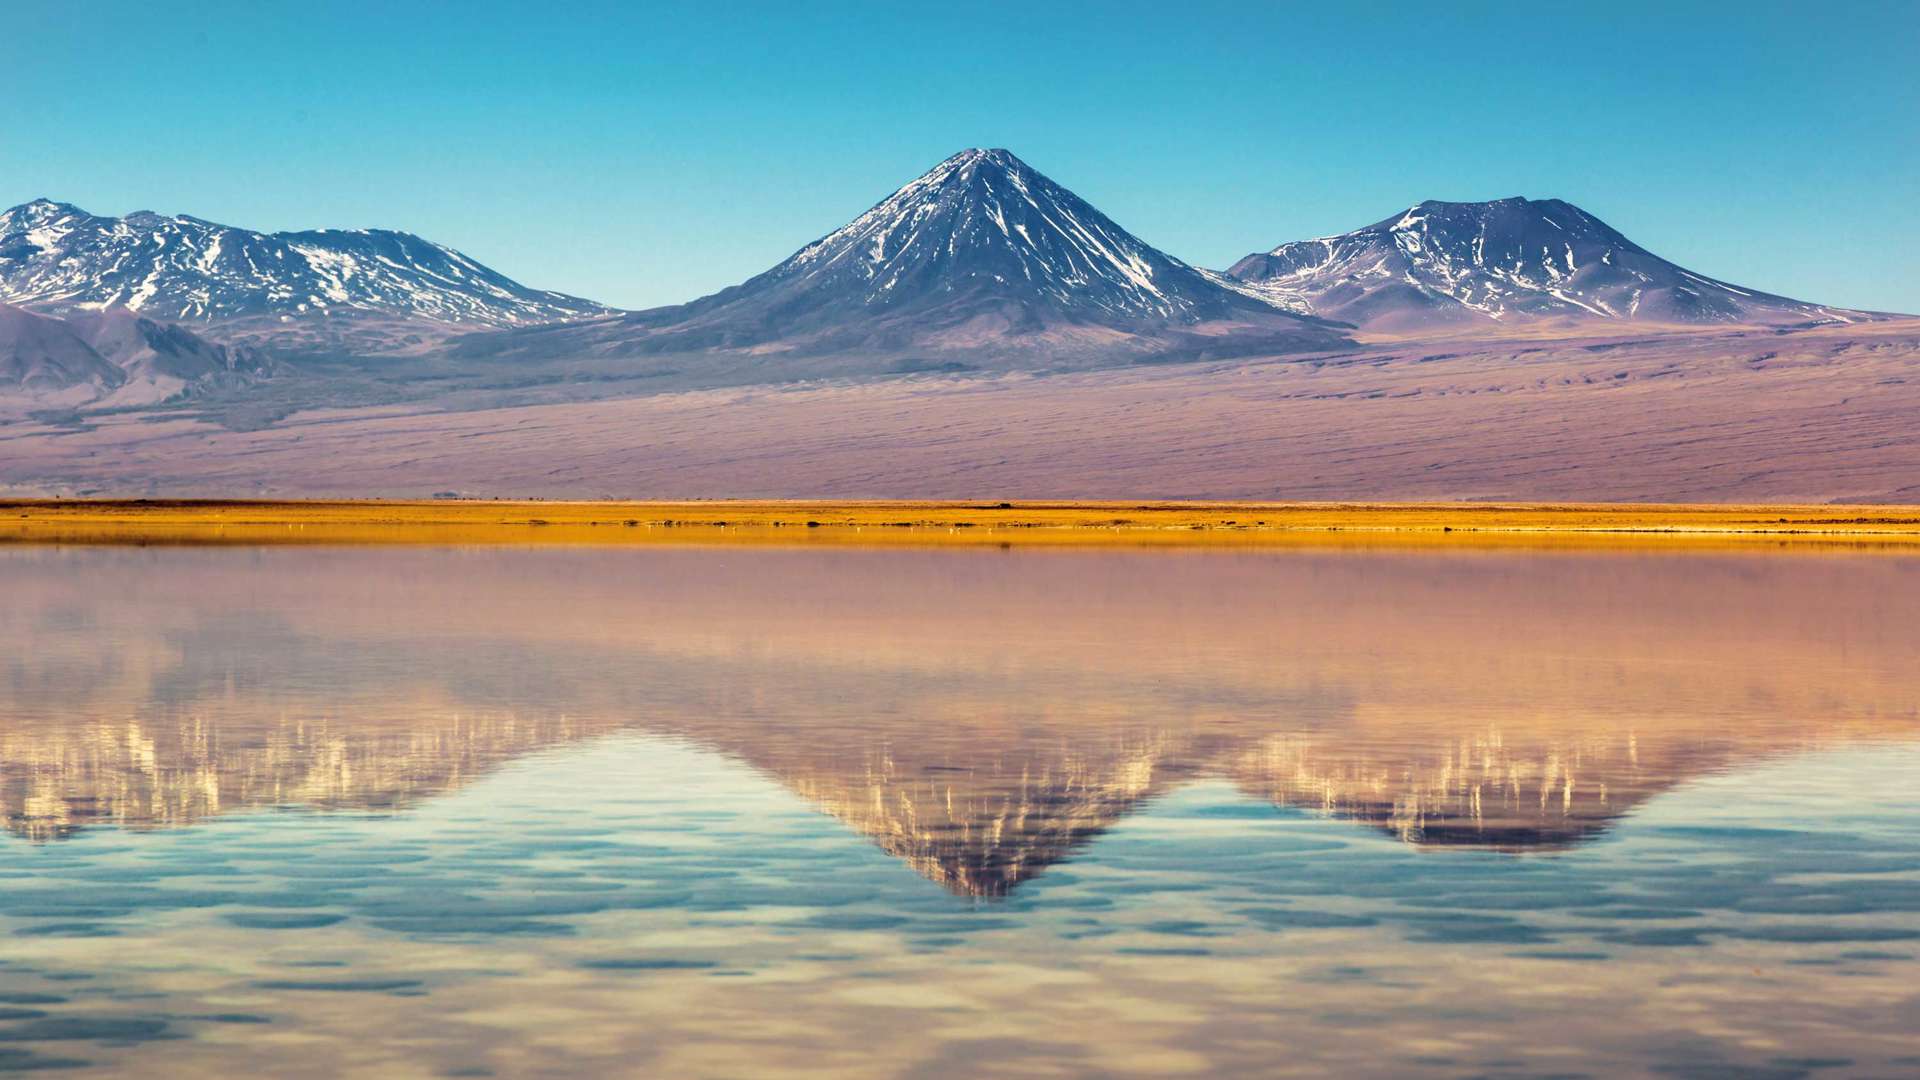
{"points": [[684, 812]]}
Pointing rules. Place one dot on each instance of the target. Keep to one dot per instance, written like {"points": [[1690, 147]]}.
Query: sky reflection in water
{"points": [[882, 812]]}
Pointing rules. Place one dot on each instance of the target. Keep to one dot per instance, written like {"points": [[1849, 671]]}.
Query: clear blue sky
{"points": [[649, 153]]}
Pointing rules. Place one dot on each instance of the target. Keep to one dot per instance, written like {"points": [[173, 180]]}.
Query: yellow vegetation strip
{"points": [[947, 523]]}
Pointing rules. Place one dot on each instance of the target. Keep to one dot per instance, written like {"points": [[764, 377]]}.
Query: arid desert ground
{"points": [[1808, 416]]}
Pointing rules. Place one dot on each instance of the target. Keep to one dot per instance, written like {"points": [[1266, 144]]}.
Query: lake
{"points": [[729, 811]]}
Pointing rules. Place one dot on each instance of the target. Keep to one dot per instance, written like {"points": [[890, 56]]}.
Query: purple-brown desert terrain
{"points": [[982, 331]]}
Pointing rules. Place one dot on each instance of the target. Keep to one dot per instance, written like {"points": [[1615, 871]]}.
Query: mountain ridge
{"points": [[980, 255], [41, 354], [1506, 260], [980, 264], [113, 358], [59, 259]]}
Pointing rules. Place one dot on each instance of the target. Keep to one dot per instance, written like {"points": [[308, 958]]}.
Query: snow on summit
{"points": [[981, 255], [58, 258], [1509, 260], [986, 215]]}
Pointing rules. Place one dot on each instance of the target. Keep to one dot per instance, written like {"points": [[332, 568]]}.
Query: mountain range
{"points": [[1501, 262], [982, 258], [58, 258], [980, 263]]}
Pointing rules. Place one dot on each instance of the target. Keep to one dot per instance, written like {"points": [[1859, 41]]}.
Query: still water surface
{"points": [[683, 812]]}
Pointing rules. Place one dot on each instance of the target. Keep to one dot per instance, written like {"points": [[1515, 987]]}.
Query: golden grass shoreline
{"points": [[892, 523]]}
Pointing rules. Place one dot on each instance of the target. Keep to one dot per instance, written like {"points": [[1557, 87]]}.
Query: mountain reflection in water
{"points": [[980, 716]]}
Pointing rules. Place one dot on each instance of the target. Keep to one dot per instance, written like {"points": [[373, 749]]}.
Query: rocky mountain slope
{"points": [[982, 259], [58, 259], [39, 354], [1507, 261], [112, 358]]}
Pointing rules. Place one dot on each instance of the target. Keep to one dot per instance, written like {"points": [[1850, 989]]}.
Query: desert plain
{"points": [[1751, 415]]}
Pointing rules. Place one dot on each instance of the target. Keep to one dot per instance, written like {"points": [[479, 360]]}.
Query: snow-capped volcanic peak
{"points": [[979, 262], [983, 220], [1505, 260], [56, 257]]}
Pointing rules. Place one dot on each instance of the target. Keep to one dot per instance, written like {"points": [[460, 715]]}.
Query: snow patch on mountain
{"points": [[57, 258], [982, 260], [984, 216], [1505, 261]]}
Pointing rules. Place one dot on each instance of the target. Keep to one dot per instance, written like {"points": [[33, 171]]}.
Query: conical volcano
{"points": [[981, 260]]}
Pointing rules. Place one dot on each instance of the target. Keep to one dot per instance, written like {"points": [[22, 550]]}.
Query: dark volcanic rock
{"points": [[980, 258]]}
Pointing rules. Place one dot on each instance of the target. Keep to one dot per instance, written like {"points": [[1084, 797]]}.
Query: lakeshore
{"points": [[988, 522]]}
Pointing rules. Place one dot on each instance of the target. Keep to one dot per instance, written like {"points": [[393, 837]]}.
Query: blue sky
{"points": [[648, 153]]}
